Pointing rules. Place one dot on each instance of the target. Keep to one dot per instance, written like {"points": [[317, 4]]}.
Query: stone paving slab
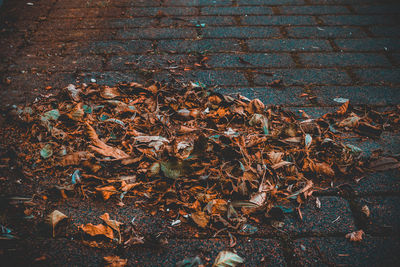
{"points": [[337, 251]]}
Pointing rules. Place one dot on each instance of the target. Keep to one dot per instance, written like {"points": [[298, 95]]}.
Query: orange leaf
{"points": [[107, 191], [356, 236], [99, 229], [115, 261], [343, 108], [200, 218]]}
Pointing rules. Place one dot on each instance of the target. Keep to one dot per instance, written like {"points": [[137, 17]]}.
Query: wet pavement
{"points": [[275, 50]]}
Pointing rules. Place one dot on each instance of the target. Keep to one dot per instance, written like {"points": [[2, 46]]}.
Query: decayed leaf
{"points": [[54, 218], [102, 148], [216, 206], [115, 261], [200, 218], [227, 259], [356, 236], [98, 229], [107, 191]]}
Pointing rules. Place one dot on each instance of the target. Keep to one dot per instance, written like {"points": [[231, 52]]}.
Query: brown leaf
{"points": [[76, 113], [343, 108], [107, 191], [366, 210], [256, 106], [217, 206], [99, 229], [109, 92], [75, 158], [319, 168], [350, 122], [112, 223], [55, 217], [102, 148], [356, 236], [200, 218], [115, 261]]}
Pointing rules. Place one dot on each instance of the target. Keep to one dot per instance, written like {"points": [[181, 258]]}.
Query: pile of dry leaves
{"points": [[212, 159]]}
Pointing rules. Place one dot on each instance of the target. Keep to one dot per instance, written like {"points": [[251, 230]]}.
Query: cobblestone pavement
{"points": [[274, 50]]}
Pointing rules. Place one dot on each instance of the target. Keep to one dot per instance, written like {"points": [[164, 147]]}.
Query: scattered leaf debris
{"points": [[209, 159]]}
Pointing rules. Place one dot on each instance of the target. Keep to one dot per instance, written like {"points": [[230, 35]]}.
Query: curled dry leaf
{"points": [[99, 229], [227, 259], [54, 218], [115, 261], [356, 236]]}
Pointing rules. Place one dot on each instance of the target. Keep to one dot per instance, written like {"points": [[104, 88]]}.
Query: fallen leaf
{"points": [[106, 191], [54, 218], [112, 223], [200, 218], [102, 148], [356, 236], [227, 259], [115, 261], [98, 229], [343, 108], [365, 210], [350, 122]]}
